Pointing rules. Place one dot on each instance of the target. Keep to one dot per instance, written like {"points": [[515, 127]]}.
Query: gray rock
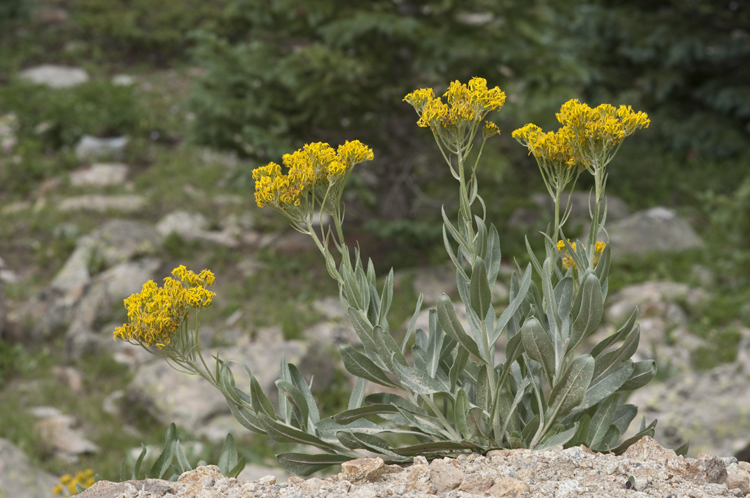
{"points": [[255, 472], [190, 401], [654, 299], [91, 148], [707, 408], [123, 80], [193, 226], [99, 175], [58, 431], [20, 478], [445, 476], [128, 203], [55, 76], [656, 230]]}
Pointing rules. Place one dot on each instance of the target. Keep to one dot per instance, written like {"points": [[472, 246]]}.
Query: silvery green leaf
{"points": [[297, 399], [533, 258], [605, 385], [364, 286], [387, 347], [508, 411], [478, 422], [183, 465], [462, 285], [602, 267], [373, 312], [581, 263], [549, 295], [484, 392], [331, 267], [564, 296], [461, 409], [435, 344], [227, 385], [285, 409], [602, 419], [386, 297], [395, 400], [493, 255], [529, 430], [645, 431], [371, 277], [228, 457], [610, 438], [164, 462], [643, 373], [358, 393], [570, 389], [609, 361], [590, 314], [357, 440], [480, 241], [79, 488], [363, 327], [260, 401], [424, 423], [283, 433], [455, 234], [246, 417], [437, 447], [421, 340], [617, 336], [299, 381], [303, 465], [418, 381], [237, 469], [351, 288], [462, 356], [420, 357], [560, 438], [361, 366], [538, 345], [412, 323], [450, 324], [138, 462], [452, 255], [357, 413], [683, 449], [624, 415], [582, 433]]}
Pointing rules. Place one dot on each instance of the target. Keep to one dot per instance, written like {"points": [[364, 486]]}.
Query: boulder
{"points": [[655, 230], [194, 226], [128, 203], [58, 431], [55, 76], [91, 148], [19, 477], [99, 175]]}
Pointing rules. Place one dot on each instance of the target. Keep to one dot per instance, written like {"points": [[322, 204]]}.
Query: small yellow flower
{"points": [[490, 129], [568, 260], [68, 483]]}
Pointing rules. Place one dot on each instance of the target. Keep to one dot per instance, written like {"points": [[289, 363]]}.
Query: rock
{"points": [[112, 402], [70, 376], [99, 175], [655, 230], [707, 408], [129, 489], [255, 472], [57, 430], [654, 298], [738, 481], [55, 76], [707, 470], [190, 401], [445, 476], [512, 488], [363, 469], [477, 484], [91, 148], [123, 80], [193, 226], [20, 478], [336, 329], [128, 203]]}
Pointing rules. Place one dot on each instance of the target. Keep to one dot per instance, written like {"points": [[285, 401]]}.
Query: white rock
{"points": [[91, 148], [55, 76], [99, 175], [130, 203], [122, 80]]}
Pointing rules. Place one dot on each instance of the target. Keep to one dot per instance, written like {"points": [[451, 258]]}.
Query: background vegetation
{"points": [[258, 78]]}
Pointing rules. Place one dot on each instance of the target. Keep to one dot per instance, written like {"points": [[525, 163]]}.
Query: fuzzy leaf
{"points": [[590, 314], [304, 465], [164, 462], [481, 298], [515, 303], [361, 366], [624, 415], [297, 399], [617, 336], [538, 345], [493, 256], [449, 321], [286, 434], [358, 393], [602, 419], [418, 381], [643, 373], [609, 361], [462, 407], [183, 465], [605, 385], [228, 457], [348, 416], [570, 389], [560, 438], [395, 400]]}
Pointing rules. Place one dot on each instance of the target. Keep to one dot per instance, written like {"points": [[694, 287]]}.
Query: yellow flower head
{"points": [[418, 98], [568, 260], [556, 148], [155, 313], [490, 129], [68, 483]]}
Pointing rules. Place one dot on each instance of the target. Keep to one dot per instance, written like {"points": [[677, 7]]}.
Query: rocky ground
{"points": [[645, 469]]}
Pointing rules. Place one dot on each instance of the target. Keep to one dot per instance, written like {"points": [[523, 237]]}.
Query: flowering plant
{"points": [[454, 396]]}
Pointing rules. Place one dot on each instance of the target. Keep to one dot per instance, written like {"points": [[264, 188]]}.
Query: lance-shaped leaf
{"points": [[351, 288], [182, 465], [515, 303], [570, 389], [299, 381], [358, 393], [452, 326], [590, 314], [609, 361], [348, 416], [602, 267], [285, 434], [434, 345], [560, 438], [601, 421], [361, 441], [164, 462], [361, 366], [538, 345], [462, 407], [418, 381], [452, 255], [394, 400], [412, 323], [297, 399], [605, 385], [386, 297], [624, 415], [617, 336], [363, 328], [642, 374], [260, 402], [493, 255], [645, 431], [303, 465], [387, 347], [462, 356], [246, 417], [228, 458], [582, 434], [437, 447], [484, 392], [481, 298]]}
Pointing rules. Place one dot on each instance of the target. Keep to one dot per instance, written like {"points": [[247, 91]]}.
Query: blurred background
{"points": [[129, 130]]}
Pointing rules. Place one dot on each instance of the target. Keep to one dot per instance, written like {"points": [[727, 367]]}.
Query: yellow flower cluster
{"points": [[466, 104], [314, 165], [556, 148], [604, 126], [490, 129], [68, 483], [568, 260], [155, 313]]}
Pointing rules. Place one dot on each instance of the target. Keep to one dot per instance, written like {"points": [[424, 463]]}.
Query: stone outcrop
{"points": [[19, 477], [645, 469]]}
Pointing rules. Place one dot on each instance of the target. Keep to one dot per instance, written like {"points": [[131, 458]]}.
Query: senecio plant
{"points": [[454, 394]]}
